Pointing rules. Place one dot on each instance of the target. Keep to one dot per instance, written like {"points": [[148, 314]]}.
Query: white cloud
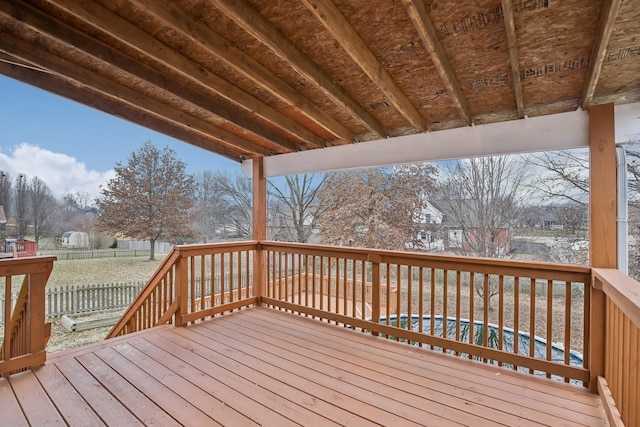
{"points": [[62, 173]]}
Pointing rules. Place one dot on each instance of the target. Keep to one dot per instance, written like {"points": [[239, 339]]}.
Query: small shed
{"points": [[75, 239]]}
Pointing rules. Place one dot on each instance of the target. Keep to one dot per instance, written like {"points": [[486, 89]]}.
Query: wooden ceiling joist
{"points": [[333, 20], [512, 41], [148, 46], [289, 80], [610, 9], [65, 34], [424, 27], [84, 77], [215, 44], [45, 80], [262, 30]]}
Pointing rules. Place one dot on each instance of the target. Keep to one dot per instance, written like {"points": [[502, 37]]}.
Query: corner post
{"points": [[181, 290], [259, 225], [35, 313], [602, 225]]}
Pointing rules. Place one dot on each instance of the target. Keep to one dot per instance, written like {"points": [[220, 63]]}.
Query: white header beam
{"points": [[553, 132]]}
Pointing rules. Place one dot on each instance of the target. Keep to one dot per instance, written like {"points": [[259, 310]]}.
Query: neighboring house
{"points": [[566, 217], [466, 234], [75, 240], [430, 237]]}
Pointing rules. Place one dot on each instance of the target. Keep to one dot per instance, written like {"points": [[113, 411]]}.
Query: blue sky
{"points": [[73, 147]]}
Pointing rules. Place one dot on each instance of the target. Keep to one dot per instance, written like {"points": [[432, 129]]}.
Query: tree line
{"points": [[153, 197]]}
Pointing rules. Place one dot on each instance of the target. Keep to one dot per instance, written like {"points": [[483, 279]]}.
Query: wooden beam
{"points": [[610, 9], [602, 225], [512, 41], [259, 200], [58, 65], [333, 20], [241, 12], [259, 227], [424, 27], [221, 115], [602, 179], [87, 96], [209, 40], [144, 44], [562, 131]]}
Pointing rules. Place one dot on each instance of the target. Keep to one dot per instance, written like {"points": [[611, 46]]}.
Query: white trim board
{"points": [[553, 132]]}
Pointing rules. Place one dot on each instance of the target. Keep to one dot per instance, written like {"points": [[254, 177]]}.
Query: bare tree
{"points": [[564, 178], [5, 191], [22, 204], [297, 208], [43, 207], [562, 185], [150, 197], [237, 192], [5, 197], [210, 207], [482, 199]]}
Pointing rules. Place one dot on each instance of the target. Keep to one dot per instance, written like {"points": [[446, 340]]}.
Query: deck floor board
{"points": [[262, 366], [444, 376], [422, 391]]}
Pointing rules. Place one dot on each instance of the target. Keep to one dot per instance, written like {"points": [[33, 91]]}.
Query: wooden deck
{"points": [[265, 367]]}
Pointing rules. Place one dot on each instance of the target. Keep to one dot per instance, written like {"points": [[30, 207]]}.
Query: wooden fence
{"points": [[85, 298], [110, 296], [98, 253]]}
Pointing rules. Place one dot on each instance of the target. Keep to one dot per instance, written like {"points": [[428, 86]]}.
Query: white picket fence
{"points": [[79, 299], [85, 298]]}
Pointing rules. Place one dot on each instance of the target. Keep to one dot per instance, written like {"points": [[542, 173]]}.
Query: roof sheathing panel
{"points": [[621, 65], [555, 39], [386, 28], [300, 26], [279, 68], [473, 37]]}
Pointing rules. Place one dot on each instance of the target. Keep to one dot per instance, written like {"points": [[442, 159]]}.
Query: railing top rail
{"points": [[622, 289], [465, 263], [209, 248], [26, 265]]}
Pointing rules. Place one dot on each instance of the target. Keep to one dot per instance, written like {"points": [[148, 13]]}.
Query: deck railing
{"points": [[184, 288], [622, 341], [24, 333], [531, 317]]}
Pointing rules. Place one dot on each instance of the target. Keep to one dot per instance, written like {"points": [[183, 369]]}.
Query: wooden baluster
{"points": [[532, 318], [409, 298], [549, 320], [485, 311], [445, 304], [458, 304], [500, 314], [345, 279], [567, 325], [375, 288], [472, 293], [433, 304], [421, 302], [516, 318]]}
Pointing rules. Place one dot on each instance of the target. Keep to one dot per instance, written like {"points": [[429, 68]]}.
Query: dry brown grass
{"points": [[102, 270]]}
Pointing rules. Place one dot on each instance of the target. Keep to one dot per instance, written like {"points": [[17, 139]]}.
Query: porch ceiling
{"points": [[246, 78]]}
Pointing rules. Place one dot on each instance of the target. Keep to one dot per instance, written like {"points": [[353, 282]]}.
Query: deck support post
{"points": [[181, 290], [602, 225], [259, 225]]}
